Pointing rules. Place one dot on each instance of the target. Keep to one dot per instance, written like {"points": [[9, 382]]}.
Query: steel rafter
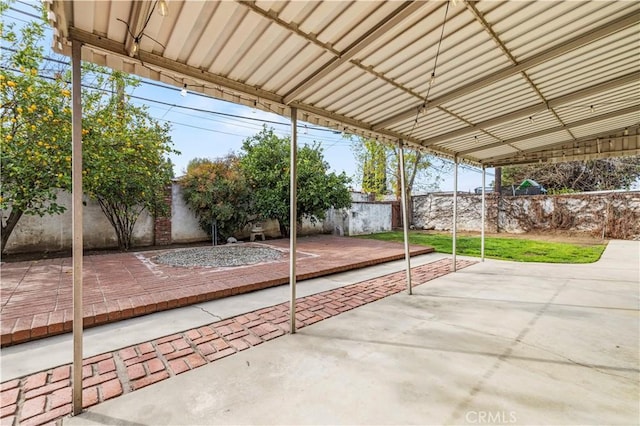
{"points": [[630, 19], [534, 109], [548, 131]]}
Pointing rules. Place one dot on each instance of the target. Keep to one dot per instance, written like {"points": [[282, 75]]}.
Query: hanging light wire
{"points": [[423, 107], [138, 37]]}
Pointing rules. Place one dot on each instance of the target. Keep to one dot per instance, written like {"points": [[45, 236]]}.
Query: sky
{"points": [[217, 127]]}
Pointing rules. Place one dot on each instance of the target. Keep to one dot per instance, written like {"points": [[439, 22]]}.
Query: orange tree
{"points": [[125, 164], [265, 163], [35, 116]]}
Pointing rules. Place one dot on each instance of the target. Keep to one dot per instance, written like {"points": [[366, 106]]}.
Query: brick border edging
{"points": [[59, 322], [45, 396]]}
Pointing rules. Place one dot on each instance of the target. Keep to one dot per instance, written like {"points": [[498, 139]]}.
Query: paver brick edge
{"points": [[23, 332], [106, 376]]}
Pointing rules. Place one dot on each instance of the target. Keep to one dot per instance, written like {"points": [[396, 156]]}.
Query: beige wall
{"points": [[53, 232]]}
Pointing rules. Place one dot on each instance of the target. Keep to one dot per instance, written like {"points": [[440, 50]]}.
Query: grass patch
{"points": [[516, 249]]}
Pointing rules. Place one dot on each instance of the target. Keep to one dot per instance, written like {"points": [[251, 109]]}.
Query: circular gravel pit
{"points": [[219, 256]]}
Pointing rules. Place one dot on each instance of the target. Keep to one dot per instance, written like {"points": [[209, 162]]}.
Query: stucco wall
{"points": [[186, 229], [368, 218], [614, 214], [361, 218], [337, 222], [184, 224], [436, 212], [53, 232]]}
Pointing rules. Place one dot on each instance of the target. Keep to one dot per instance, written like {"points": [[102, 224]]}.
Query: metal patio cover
{"points": [[514, 81]]}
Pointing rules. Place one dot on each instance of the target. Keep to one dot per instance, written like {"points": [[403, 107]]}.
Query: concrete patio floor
{"points": [[495, 343], [129, 355]]}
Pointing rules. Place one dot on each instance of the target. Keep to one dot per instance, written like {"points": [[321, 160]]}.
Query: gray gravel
{"points": [[219, 256]]}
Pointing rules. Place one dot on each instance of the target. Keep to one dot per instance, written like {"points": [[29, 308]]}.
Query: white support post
{"points": [[483, 215], [455, 214], [76, 211], [405, 216], [293, 217]]}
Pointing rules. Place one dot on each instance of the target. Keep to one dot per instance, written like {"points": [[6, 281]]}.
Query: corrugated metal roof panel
{"points": [[472, 141], [607, 101], [534, 123], [433, 123], [494, 152], [411, 61], [376, 104], [599, 51], [617, 122], [531, 27], [367, 65], [499, 98], [548, 139]]}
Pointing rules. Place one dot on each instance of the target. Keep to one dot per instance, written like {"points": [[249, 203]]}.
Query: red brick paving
{"points": [[36, 296], [45, 397]]}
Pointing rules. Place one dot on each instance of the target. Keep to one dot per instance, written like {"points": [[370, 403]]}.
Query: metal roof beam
{"points": [[273, 17], [479, 16], [532, 110], [575, 43], [150, 59], [595, 136], [471, 7], [573, 156], [568, 126], [147, 58], [329, 48], [396, 17], [558, 145]]}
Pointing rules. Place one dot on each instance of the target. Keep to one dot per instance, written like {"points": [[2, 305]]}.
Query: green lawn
{"points": [[517, 249]]}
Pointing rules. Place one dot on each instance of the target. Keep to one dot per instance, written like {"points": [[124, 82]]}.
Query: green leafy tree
{"points": [[592, 175], [125, 159], [374, 168], [217, 189], [265, 163], [124, 164], [420, 168], [35, 115]]}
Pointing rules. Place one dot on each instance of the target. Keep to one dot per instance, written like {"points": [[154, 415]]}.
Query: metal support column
{"points": [[76, 210], [455, 214], [484, 176], [293, 202], [405, 216]]}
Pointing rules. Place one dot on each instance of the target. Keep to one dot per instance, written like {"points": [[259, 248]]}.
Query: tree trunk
{"points": [[7, 229], [122, 219], [284, 230]]}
